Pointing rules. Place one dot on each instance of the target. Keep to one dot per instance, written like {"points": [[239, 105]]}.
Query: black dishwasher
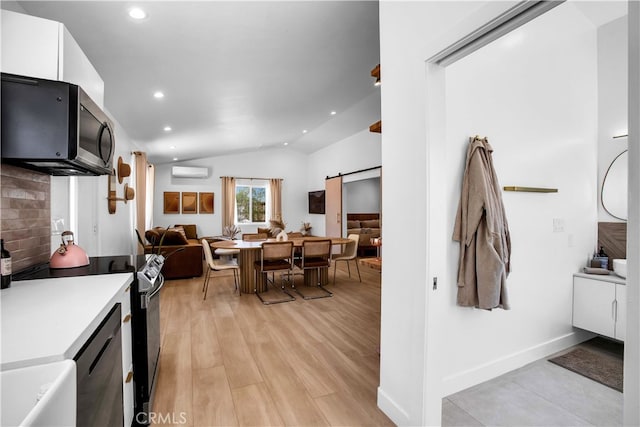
{"points": [[99, 377]]}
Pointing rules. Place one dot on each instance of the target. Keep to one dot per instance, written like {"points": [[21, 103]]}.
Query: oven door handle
{"points": [[161, 278]]}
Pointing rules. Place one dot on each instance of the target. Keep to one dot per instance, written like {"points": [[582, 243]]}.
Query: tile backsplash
{"points": [[25, 215]]}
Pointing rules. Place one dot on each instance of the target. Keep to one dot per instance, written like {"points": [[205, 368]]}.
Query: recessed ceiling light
{"points": [[286, 143], [333, 113], [158, 95], [168, 129], [304, 131], [173, 147], [137, 13], [175, 158]]}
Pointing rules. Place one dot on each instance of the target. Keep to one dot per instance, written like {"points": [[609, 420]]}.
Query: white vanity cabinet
{"points": [[38, 47], [599, 304]]}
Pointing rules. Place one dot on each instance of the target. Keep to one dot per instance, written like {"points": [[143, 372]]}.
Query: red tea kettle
{"points": [[68, 255]]}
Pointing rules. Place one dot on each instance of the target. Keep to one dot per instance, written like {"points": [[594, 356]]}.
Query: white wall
{"points": [[414, 357], [359, 151], [612, 99], [362, 196], [411, 32], [287, 164], [539, 111]]}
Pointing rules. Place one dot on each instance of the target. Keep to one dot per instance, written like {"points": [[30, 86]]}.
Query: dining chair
{"points": [[254, 236], [350, 253], [316, 254], [218, 265], [275, 257]]}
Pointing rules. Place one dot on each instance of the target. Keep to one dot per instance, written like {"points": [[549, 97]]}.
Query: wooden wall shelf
{"points": [[376, 127]]}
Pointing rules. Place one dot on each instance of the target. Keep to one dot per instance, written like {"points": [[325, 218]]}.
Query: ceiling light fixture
{"points": [[137, 13], [175, 159], [173, 147], [285, 144], [167, 129], [333, 113], [158, 95], [304, 131]]}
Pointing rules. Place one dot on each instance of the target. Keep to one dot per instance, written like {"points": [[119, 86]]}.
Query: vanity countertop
{"points": [[48, 320], [611, 277]]}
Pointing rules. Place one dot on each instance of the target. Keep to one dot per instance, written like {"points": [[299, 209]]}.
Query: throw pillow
{"points": [[189, 230], [179, 229], [152, 236], [172, 237], [373, 223], [353, 223]]}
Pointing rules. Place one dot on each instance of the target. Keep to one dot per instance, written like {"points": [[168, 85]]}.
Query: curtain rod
{"points": [[241, 177], [351, 173]]}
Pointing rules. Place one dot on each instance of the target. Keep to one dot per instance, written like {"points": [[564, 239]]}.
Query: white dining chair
{"points": [[218, 265], [350, 253]]}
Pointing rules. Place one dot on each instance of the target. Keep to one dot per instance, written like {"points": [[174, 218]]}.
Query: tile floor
{"points": [[538, 394]]}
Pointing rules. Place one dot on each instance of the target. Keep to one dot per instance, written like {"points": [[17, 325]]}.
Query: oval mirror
{"points": [[614, 187]]}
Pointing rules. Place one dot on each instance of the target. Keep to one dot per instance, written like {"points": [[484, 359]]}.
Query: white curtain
{"points": [[228, 201]]}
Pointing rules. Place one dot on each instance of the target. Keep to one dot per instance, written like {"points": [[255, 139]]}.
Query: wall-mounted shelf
{"points": [[376, 127], [531, 189]]}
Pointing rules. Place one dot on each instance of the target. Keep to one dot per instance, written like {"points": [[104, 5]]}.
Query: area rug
{"points": [[598, 359]]}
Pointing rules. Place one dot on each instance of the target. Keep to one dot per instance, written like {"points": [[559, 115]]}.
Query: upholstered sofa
{"points": [[183, 264], [367, 229]]}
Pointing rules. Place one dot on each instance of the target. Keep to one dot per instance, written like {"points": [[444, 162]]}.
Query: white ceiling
{"points": [[237, 76]]}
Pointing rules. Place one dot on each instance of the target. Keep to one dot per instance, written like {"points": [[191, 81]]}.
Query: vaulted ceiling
{"points": [[236, 76]]}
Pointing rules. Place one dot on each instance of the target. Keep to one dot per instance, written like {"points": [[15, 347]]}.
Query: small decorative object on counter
{"points": [[231, 231], [601, 259], [276, 226], [5, 266], [68, 255], [306, 228]]}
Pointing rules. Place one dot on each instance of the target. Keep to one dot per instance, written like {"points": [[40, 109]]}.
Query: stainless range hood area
{"points": [[54, 127]]}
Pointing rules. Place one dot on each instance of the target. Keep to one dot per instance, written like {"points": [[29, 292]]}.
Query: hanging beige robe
{"points": [[482, 230]]}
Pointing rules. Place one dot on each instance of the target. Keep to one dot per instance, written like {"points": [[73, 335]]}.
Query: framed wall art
{"points": [[189, 202], [171, 202], [206, 203]]}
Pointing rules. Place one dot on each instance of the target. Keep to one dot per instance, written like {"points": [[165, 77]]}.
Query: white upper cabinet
{"points": [[29, 45], [37, 47]]}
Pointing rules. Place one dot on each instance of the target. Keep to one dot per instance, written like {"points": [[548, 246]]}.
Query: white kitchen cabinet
{"points": [[38, 47], [29, 45], [599, 305]]}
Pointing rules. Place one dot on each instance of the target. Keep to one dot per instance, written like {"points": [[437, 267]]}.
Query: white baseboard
{"points": [[463, 380], [392, 409]]}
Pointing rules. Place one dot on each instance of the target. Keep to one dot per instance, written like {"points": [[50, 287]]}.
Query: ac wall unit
{"points": [[189, 172]]}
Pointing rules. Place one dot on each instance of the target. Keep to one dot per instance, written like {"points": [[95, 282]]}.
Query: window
{"points": [[251, 202]]}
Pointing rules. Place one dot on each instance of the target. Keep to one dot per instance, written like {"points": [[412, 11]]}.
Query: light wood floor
{"points": [[231, 361]]}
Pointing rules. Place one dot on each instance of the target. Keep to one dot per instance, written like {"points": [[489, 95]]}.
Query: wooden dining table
{"points": [[250, 253]]}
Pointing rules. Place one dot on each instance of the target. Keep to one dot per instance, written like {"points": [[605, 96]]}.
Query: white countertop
{"points": [[611, 277], [48, 320]]}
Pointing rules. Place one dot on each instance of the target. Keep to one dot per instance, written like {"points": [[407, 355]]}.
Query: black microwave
{"points": [[54, 127]]}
